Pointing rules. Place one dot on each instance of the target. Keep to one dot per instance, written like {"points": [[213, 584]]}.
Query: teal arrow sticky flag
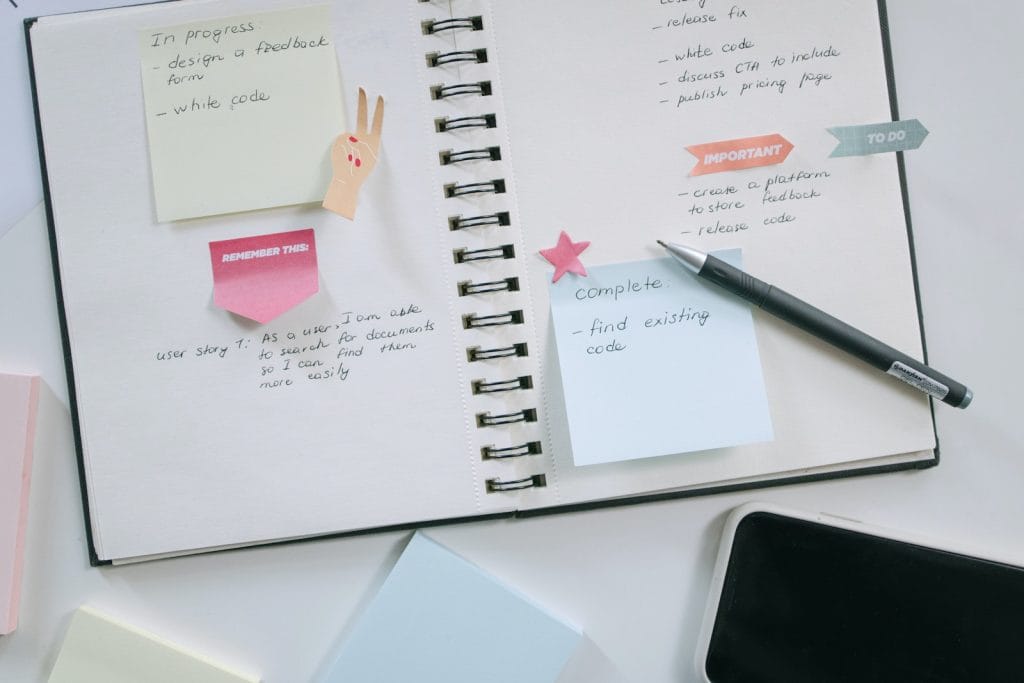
{"points": [[876, 138]]}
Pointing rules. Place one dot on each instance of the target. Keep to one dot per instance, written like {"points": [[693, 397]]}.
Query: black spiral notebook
{"points": [[505, 124]]}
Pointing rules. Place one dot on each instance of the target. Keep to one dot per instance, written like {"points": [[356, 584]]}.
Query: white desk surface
{"points": [[635, 578]]}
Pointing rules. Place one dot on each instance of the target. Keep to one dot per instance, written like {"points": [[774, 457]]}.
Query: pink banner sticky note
{"points": [[19, 396], [262, 277], [732, 155]]}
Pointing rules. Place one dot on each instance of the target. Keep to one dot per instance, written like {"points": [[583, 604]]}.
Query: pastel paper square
{"points": [[240, 111], [99, 649], [438, 618], [655, 361]]}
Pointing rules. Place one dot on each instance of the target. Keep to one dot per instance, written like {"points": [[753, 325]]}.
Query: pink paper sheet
{"points": [[19, 398]]}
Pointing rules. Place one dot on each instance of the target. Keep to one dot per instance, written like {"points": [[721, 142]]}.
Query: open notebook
{"points": [[370, 403]]}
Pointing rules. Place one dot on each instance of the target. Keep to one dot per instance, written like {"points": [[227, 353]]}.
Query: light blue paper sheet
{"points": [[655, 361], [440, 619]]}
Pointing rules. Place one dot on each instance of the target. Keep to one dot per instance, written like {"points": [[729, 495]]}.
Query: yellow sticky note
{"points": [[241, 111], [98, 649]]}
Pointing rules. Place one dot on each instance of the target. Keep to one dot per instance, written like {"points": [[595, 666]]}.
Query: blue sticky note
{"points": [[440, 619], [655, 361]]}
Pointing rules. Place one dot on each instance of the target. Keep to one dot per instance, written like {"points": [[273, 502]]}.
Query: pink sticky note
{"points": [[19, 397], [564, 256], [261, 277]]}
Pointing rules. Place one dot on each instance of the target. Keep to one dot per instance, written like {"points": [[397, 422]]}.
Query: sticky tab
{"points": [[877, 138], [564, 256], [353, 157], [261, 277], [733, 155], [634, 338], [240, 110]]}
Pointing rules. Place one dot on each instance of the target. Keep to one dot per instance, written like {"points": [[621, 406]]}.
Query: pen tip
{"points": [[661, 243]]}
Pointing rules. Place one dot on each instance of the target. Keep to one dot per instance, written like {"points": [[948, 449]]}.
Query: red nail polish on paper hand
{"points": [[352, 164]]}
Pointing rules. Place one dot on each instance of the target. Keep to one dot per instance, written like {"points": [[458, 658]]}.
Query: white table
{"points": [[635, 578]]}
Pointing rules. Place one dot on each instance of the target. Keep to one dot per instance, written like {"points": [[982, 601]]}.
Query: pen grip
{"points": [[836, 332]]}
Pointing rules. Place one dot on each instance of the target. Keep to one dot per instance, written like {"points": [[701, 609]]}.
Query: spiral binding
{"points": [[505, 251], [531, 481], [473, 321], [515, 384], [509, 284], [500, 218], [439, 25], [449, 157], [446, 125], [496, 186], [485, 255], [475, 353], [456, 57], [493, 453], [488, 420], [440, 92]]}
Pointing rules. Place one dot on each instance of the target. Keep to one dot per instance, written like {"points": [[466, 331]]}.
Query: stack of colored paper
{"points": [[98, 649], [440, 619], [19, 397]]}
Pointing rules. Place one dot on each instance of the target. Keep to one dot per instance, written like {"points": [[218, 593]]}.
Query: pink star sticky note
{"points": [[564, 256]]}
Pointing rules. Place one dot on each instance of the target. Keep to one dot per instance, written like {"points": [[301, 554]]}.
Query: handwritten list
{"points": [[712, 50], [328, 351], [654, 361], [241, 111], [709, 53]]}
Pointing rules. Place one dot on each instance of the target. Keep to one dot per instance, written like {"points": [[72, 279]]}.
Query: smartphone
{"points": [[801, 596]]}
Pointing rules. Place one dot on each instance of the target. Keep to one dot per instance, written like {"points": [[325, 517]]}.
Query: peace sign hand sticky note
{"points": [[353, 156]]}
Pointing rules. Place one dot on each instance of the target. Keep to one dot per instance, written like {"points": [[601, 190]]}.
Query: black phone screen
{"points": [[804, 601]]}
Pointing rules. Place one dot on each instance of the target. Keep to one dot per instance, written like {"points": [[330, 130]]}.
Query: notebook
{"points": [[440, 618], [100, 649], [19, 399], [414, 376]]}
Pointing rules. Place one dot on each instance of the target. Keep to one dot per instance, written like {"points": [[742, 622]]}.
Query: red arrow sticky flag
{"points": [[733, 155]]}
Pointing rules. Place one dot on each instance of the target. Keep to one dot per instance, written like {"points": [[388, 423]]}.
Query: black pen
{"points": [[822, 325]]}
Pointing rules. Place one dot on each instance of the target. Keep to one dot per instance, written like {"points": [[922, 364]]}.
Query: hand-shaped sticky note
{"points": [[261, 277], [564, 256], [353, 156]]}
